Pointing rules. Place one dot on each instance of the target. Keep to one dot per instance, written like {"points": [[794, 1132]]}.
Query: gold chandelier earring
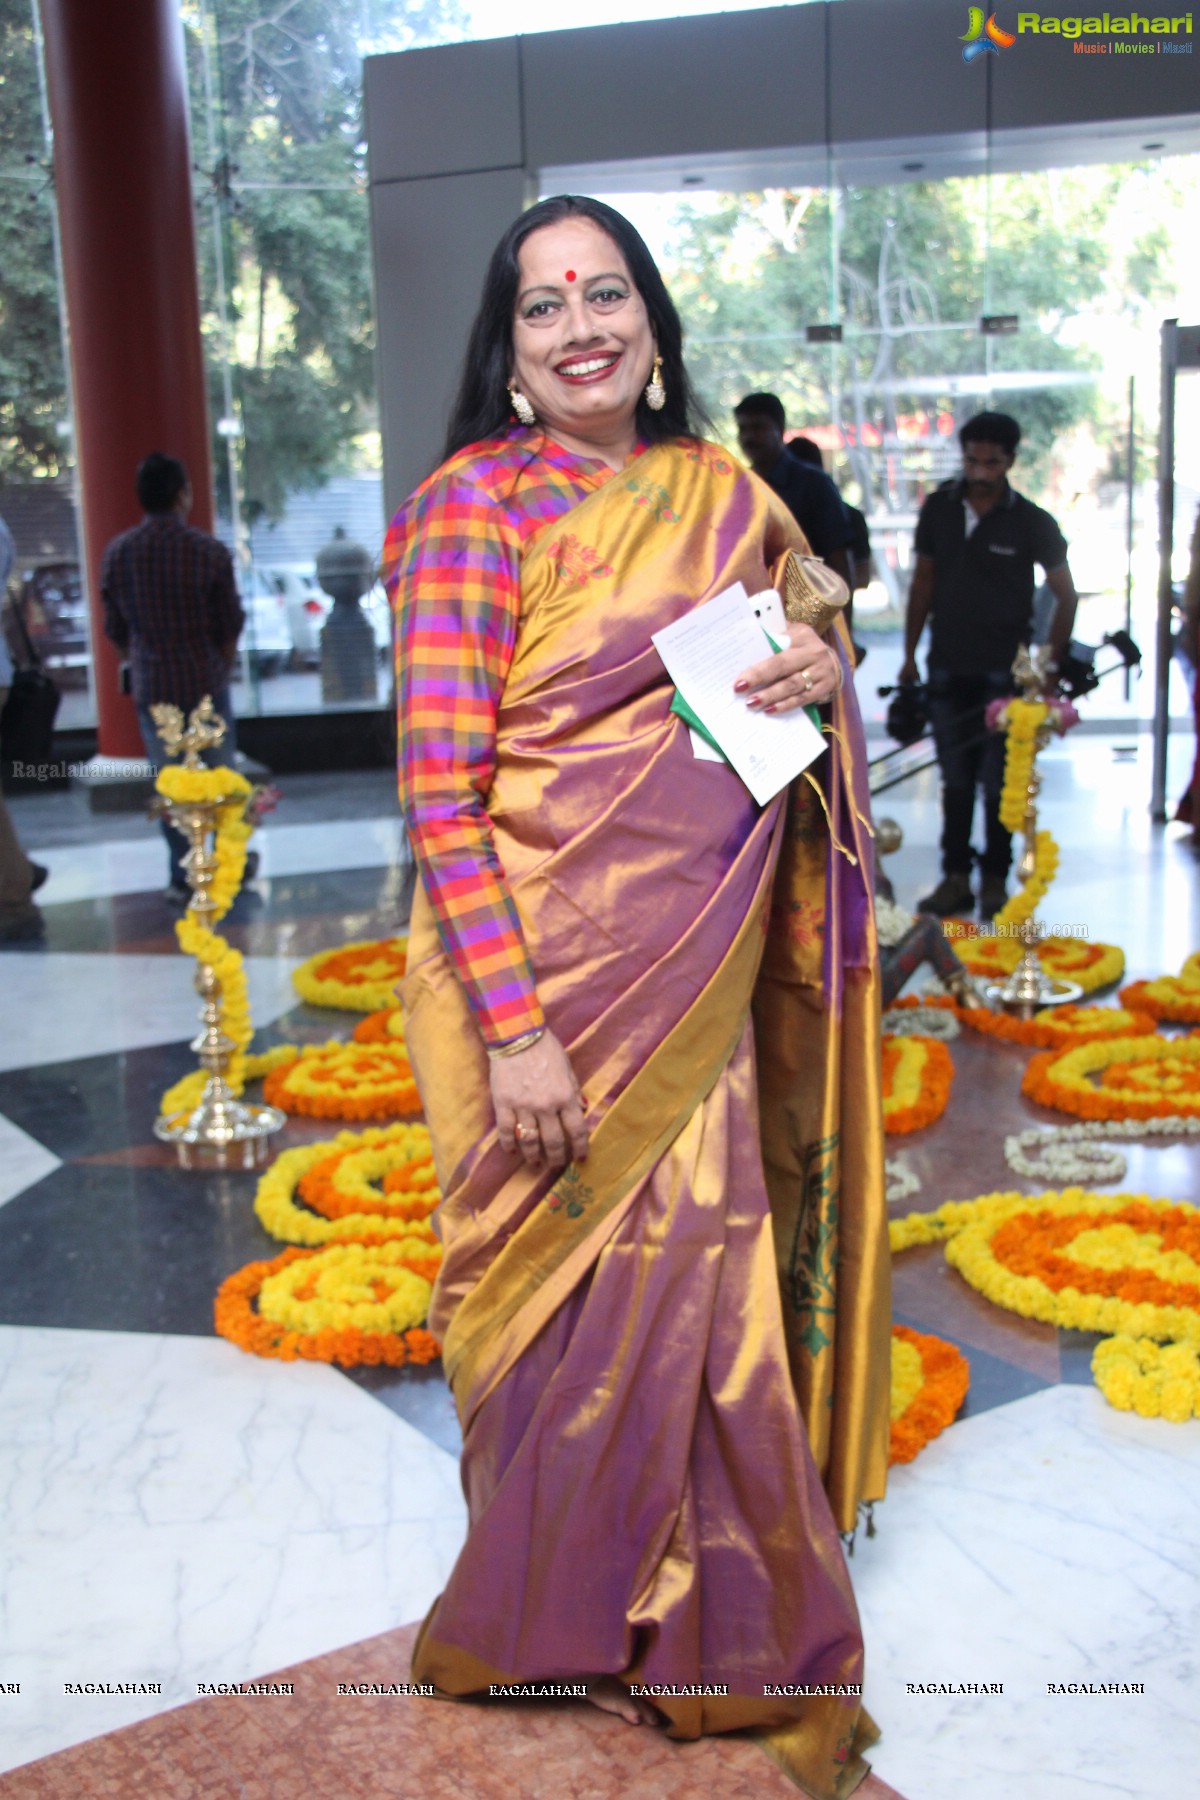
{"points": [[521, 406], [656, 393]]}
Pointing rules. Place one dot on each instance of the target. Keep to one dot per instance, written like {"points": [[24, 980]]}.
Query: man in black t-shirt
{"points": [[977, 542]]}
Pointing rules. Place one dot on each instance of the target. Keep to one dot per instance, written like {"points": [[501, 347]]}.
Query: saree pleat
{"points": [[643, 1498], [817, 1021], [682, 1536]]}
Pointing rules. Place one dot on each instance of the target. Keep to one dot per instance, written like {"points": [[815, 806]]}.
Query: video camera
{"points": [[1077, 671], [908, 711], [908, 701]]}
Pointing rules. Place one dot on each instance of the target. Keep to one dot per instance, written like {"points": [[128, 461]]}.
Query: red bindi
{"points": [[570, 274]]}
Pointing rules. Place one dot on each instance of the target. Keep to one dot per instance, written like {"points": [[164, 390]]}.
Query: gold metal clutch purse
{"points": [[812, 593]]}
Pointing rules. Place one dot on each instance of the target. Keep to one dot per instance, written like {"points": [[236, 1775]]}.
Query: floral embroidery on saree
{"points": [[813, 1264], [575, 563], [709, 457], [655, 497], [570, 1194], [802, 921]]}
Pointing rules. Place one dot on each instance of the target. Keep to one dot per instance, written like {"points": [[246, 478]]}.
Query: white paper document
{"points": [[702, 750], [704, 654]]}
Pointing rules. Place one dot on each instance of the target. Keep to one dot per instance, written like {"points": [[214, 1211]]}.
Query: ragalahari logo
{"points": [[983, 39]]}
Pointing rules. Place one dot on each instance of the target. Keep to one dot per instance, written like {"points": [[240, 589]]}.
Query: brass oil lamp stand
{"points": [[1029, 988], [222, 1131]]}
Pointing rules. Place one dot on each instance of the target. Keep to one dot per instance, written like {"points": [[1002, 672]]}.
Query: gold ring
{"points": [[808, 680], [524, 1132]]}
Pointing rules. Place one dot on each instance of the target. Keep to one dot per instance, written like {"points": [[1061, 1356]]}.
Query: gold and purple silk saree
{"points": [[671, 1361]]}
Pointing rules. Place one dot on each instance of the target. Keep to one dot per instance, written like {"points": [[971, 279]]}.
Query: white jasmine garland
{"points": [[1076, 1153], [892, 922], [902, 1182], [921, 1021]]}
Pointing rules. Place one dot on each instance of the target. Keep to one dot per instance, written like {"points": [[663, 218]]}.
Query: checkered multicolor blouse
{"points": [[453, 561]]}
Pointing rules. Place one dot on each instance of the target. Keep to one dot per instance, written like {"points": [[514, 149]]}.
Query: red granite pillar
{"points": [[122, 160]]}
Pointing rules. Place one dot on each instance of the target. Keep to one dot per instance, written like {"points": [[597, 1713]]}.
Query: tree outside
{"points": [[276, 96], [1085, 258], [33, 404], [285, 263]]}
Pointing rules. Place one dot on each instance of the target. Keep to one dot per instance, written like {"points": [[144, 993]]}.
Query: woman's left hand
{"points": [[807, 673]]}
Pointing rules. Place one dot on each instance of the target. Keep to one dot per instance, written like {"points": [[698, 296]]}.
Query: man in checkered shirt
{"points": [[171, 603]]}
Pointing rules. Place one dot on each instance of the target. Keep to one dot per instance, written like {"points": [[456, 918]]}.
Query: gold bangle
{"points": [[525, 1042]]}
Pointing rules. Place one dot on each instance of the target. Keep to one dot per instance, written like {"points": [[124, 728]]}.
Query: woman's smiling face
{"points": [[582, 343]]}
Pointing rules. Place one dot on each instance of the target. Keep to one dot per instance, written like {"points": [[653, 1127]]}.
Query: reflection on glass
{"points": [[1087, 259]]}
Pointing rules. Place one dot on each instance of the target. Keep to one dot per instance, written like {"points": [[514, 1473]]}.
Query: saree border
{"points": [[539, 1267]]}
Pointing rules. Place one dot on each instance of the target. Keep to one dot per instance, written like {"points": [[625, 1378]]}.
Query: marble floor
{"points": [[175, 1514]]}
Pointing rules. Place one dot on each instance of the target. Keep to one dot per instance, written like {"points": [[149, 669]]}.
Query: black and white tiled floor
{"points": [[174, 1511]]}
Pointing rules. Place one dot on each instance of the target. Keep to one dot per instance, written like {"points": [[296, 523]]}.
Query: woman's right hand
{"points": [[536, 1090]]}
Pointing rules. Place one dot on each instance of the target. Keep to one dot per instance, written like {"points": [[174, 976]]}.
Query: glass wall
{"points": [[1077, 268], [36, 489], [1087, 261]]}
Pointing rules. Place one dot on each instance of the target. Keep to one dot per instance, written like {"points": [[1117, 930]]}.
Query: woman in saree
{"points": [[663, 1300]]}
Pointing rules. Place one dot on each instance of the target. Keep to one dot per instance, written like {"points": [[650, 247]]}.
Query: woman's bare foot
{"points": [[612, 1696]]}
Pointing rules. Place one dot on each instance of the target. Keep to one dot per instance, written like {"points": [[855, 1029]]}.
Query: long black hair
{"points": [[482, 407]]}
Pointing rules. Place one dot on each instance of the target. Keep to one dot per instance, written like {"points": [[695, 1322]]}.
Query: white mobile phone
{"points": [[768, 610]]}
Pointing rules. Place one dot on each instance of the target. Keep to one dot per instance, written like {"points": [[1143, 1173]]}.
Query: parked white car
{"points": [[265, 646], [308, 607], [378, 609]]}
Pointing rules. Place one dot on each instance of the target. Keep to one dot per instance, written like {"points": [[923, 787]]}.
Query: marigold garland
{"points": [[1119, 1263], [392, 1178], [339, 1288], [918, 1073], [907, 1376], [200, 787], [1060, 1026], [386, 1027], [231, 835], [1052, 1028], [379, 1181], [1140, 1078], [367, 1287], [185, 1095], [1175, 998], [360, 977], [1085, 1261], [1091, 965], [345, 1081], [1153, 1380], [1024, 903], [929, 1383], [1021, 719], [360, 1293]]}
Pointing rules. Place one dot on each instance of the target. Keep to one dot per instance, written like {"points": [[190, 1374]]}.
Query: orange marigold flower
{"points": [[345, 1081], [918, 1073], [1052, 1027], [237, 1318], [1138, 1078], [945, 1376]]}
